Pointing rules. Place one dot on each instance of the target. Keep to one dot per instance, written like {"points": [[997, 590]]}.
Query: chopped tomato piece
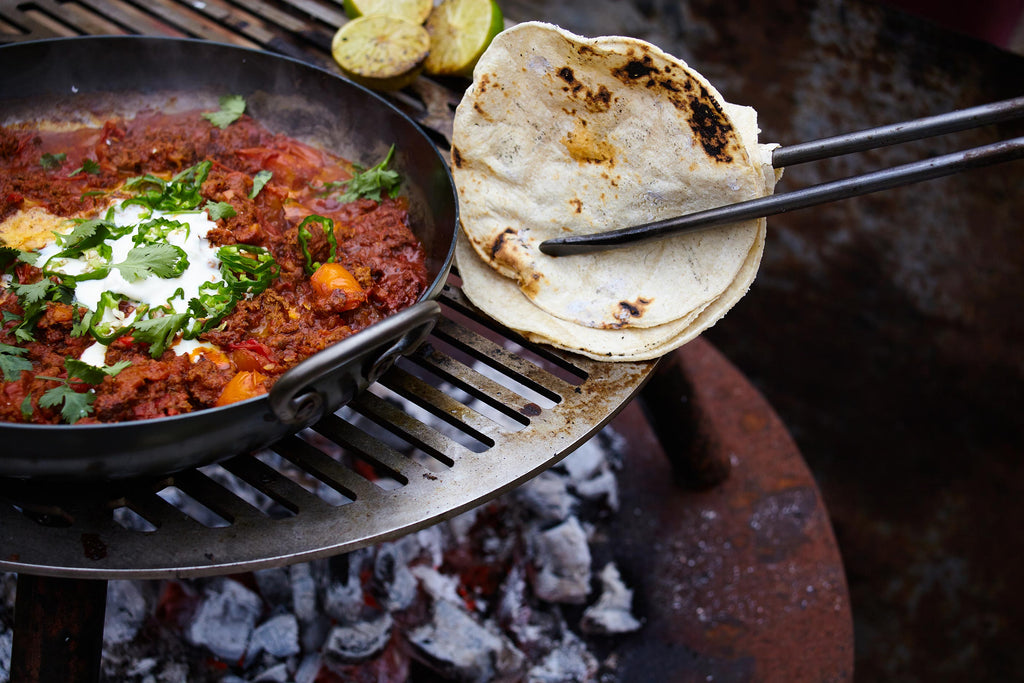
{"points": [[332, 281], [245, 384], [252, 355]]}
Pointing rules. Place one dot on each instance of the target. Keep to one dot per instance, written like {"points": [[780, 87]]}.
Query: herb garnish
{"points": [[258, 181], [74, 405], [231, 108], [369, 183], [51, 161], [88, 166], [11, 362]]}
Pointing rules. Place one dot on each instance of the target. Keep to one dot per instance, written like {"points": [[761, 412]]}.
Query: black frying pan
{"points": [[82, 77]]}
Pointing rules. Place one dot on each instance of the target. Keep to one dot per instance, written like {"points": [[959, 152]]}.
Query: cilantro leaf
{"points": [[218, 210], [50, 161], [74, 406], [11, 362], [89, 166], [90, 374], [159, 332], [32, 293], [231, 108], [259, 181], [160, 259], [372, 182]]}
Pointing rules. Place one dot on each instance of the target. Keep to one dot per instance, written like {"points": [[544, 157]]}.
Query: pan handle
{"points": [[324, 382]]}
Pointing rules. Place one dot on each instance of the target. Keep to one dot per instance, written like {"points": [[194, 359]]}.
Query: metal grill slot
{"points": [[129, 18], [250, 494], [192, 508], [271, 482], [213, 495], [325, 469], [506, 362], [399, 423], [442, 406], [495, 396], [360, 444]]}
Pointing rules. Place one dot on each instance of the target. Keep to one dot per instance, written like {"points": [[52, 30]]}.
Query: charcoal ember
{"points": [[562, 558], [225, 619], [569, 662], [275, 674], [394, 585], [358, 642], [306, 604], [612, 613], [437, 585], [391, 666], [590, 472], [277, 636], [547, 497], [128, 606], [457, 646], [534, 626], [274, 585]]}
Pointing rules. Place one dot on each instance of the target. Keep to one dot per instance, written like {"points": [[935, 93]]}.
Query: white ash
{"points": [[612, 613], [512, 578], [562, 556], [570, 662], [360, 641], [226, 619], [463, 649], [277, 636], [127, 609]]}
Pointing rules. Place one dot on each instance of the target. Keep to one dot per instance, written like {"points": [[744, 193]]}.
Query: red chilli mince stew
{"points": [[173, 262]]}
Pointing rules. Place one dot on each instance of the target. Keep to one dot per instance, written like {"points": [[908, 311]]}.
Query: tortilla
{"points": [[561, 135]]}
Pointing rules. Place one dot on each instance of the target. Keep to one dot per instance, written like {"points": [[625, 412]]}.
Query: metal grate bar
{"points": [[441, 406], [215, 496], [324, 468], [503, 360], [401, 424], [364, 446], [274, 485]]}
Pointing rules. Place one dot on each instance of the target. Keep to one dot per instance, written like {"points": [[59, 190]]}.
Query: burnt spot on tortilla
{"points": [[595, 101], [632, 309], [577, 205], [635, 69], [703, 112], [711, 127], [498, 245], [532, 285], [456, 157], [483, 82]]}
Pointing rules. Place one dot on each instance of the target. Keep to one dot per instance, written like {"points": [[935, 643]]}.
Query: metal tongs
{"points": [[1006, 150]]}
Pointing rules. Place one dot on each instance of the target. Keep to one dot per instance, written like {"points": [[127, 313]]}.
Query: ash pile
{"points": [[524, 588]]}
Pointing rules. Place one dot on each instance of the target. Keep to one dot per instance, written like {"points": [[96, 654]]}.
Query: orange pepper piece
{"points": [[332, 280], [243, 385]]}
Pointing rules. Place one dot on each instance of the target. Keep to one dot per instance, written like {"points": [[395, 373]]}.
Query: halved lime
{"points": [[460, 31], [381, 52], [415, 11]]}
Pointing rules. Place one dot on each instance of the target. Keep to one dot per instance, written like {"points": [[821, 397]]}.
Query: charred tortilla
{"points": [[563, 135]]}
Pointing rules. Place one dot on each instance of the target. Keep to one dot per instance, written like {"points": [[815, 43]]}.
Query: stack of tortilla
{"points": [[562, 135]]}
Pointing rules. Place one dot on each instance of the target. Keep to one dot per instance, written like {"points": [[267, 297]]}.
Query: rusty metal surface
{"points": [[739, 582]]}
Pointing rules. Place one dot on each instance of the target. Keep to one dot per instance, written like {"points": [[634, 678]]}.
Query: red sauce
{"points": [[265, 335]]}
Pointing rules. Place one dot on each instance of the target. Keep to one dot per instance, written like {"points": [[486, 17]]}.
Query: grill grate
{"points": [[473, 413]]}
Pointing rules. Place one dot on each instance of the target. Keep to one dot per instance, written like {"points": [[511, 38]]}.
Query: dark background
{"points": [[885, 330]]}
